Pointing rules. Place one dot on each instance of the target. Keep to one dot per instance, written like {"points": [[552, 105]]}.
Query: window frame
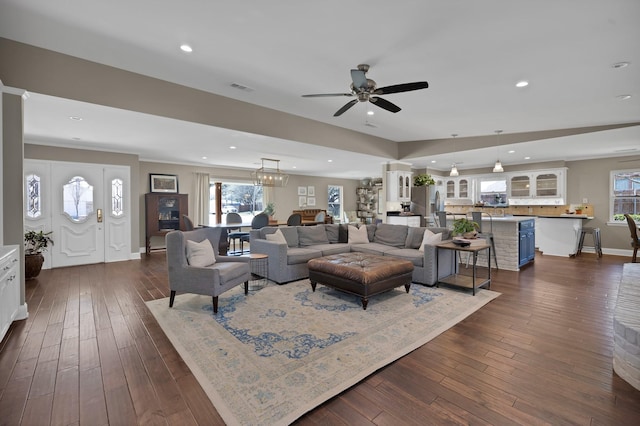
{"points": [[613, 197], [340, 201]]}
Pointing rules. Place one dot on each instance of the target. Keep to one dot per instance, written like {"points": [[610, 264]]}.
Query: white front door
{"points": [[89, 215]]}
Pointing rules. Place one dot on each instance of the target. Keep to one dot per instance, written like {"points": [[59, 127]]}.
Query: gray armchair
{"points": [[226, 273]]}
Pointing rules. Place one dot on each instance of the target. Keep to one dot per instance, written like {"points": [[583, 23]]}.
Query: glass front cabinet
{"points": [[539, 187], [399, 186], [461, 187]]}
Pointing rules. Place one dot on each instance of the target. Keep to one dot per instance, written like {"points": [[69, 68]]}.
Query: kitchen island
{"points": [[558, 235], [514, 238]]}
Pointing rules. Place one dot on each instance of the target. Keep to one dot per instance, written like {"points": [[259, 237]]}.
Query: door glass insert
{"points": [[33, 196], [77, 199], [117, 207]]}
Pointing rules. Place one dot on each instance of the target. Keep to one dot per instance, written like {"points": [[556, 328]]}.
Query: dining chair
{"points": [[234, 232], [188, 223], [259, 221], [635, 243], [294, 220]]}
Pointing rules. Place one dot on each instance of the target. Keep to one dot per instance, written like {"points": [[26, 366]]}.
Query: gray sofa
{"points": [[288, 262]]}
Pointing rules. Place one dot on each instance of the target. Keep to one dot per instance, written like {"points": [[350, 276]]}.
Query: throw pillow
{"points": [[358, 235], [277, 237], [200, 254], [430, 238]]}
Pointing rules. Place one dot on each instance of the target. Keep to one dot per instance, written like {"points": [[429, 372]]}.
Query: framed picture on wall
{"points": [[302, 201], [302, 190], [311, 201], [311, 191], [163, 183]]}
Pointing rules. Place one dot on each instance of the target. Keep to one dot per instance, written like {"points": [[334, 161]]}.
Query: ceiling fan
{"points": [[364, 89]]}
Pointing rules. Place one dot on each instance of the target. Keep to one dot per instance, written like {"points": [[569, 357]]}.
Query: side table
{"points": [[259, 264], [465, 280]]}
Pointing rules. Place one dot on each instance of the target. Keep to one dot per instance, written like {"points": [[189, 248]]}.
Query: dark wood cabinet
{"points": [[163, 214]]}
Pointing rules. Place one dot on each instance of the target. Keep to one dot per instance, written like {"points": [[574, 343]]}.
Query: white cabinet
{"points": [[399, 186], [9, 286], [460, 187], [544, 187], [404, 220]]}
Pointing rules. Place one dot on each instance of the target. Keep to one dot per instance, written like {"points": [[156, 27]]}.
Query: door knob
{"points": [[99, 215]]}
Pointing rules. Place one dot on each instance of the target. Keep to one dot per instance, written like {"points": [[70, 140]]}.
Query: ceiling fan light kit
{"points": [[364, 89]]}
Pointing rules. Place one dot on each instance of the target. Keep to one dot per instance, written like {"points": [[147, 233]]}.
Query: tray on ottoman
{"points": [[361, 274]]}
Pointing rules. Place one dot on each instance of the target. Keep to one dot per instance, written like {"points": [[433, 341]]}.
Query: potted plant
{"points": [[270, 210], [578, 209], [34, 244], [423, 179], [465, 227]]}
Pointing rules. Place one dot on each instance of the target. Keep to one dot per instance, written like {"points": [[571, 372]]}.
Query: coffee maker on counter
{"points": [[406, 207]]}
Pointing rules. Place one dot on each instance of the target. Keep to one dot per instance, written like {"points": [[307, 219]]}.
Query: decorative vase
{"points": [[578, 211], [470, 235], [32, 265]]}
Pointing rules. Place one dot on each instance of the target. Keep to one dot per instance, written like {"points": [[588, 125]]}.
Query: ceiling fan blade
{"points": [[322, 95], [405, 87], [384, 104], [359, 79], [346, 107]]}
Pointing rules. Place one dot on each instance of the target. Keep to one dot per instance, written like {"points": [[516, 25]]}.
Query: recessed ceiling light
{"points": [[623, 97], [370, 112], [186, 48], [329, 161], [527, 158], [511, 151], [433, 161], [232, 147], [522, 83], [620, 65], [75, 118], [294, 167], [204, 158]]}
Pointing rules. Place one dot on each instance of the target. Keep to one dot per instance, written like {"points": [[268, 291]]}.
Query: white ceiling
{"points": [[471, 52]]}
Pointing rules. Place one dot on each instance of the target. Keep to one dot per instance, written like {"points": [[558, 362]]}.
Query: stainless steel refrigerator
{"points": [[425, 201]]}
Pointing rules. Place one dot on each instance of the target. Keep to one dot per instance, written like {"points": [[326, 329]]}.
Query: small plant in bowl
{"points": [[465, 227]]}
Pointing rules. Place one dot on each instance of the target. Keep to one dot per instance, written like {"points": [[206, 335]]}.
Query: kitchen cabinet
{"points": [[404, 220], [459, 188], [9, 287], [163, 214], [399, 186], [542, 187], [527, 242]]}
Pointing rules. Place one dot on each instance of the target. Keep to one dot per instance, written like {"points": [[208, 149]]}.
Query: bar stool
{"points": [[595, 233]]}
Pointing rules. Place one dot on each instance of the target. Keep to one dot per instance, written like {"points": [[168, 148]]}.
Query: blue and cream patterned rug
{"points": [[269, 357]]}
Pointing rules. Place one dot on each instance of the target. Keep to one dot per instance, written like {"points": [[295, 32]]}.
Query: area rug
{"points": [[271, 356]]}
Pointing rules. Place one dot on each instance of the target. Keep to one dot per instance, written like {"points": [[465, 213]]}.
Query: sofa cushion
{"points": [[358, 235], [416, 257], [290, 234], [371, 230], [446, 232], [430, 238], [414, 237], [373, 248], [333, 232], [329, 249], [391, 235], [200, 254], [312, 235], [297, 255], [276, 237]]}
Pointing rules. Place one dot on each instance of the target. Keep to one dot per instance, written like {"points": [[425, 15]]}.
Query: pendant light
{"points": [[454, 168], [498, 167]]}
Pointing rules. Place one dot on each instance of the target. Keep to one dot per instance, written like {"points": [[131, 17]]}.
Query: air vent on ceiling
{"points": [[370, 125], [241, 87]]}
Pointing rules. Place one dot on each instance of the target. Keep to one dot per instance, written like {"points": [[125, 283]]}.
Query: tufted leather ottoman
{"points": [[361, 274]]}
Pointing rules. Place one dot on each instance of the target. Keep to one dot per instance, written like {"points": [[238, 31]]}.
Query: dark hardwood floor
{"points": [[90, 353]]}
